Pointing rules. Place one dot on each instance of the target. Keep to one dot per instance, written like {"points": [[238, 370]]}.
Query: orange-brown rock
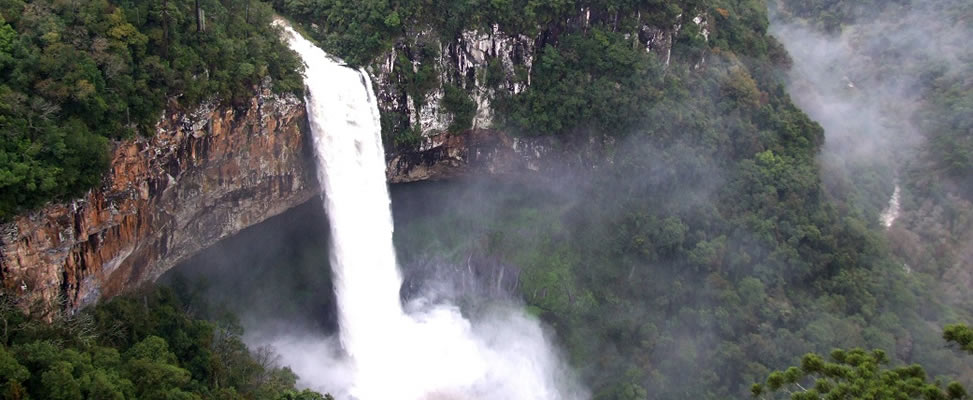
{"points": [[204, 175]]}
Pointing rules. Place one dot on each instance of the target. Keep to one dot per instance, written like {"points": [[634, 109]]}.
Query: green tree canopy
{"points": [[855, 374], [74, 75]]}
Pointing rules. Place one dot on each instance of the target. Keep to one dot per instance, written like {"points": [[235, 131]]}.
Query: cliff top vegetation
{"points": [[75, 75]]}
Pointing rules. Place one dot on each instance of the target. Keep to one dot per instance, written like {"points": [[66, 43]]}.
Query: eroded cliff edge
{"points": [[208, 173], [204, 175]]}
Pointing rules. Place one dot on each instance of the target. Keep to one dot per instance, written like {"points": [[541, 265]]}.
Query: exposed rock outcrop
{"points": [[411, 78], [204, 175], [210, 172], [480, 151], [488, 152], [462, 62]]}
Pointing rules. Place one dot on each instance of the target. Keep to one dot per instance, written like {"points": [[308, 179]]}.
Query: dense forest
{"points": [[75, 75], [910, 60], [155, 343], [708, 252], [587, 75], [928, 78], [701, 253]]}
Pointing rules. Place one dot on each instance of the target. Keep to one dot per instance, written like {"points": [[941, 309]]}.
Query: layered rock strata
{"points": [[205, 174]]}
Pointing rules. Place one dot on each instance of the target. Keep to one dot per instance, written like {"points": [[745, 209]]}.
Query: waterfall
{"points": [[431, 352], [891, 212]]}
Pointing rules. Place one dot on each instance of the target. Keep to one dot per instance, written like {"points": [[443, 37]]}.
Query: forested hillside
{"points": [[917, 52], [701, 248], [75, 75], [151, 344], [704, 251], [591, 74], [909, 61]]}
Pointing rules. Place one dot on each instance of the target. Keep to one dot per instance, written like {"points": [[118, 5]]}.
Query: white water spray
{"points": [[430, 353], [891, 212]]}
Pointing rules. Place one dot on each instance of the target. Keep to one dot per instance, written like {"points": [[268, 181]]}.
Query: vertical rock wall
{"points": [[211, 172], [467, 62], [204, 175]]}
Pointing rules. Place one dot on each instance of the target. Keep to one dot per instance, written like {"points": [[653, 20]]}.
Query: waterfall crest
{"points": [[432, 352]]}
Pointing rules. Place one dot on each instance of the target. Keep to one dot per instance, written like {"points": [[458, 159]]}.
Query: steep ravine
{"points": [[205, 175], [208, 173]]}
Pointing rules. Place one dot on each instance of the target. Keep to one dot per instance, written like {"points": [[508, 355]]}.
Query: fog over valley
{"points": [[537, 200]]}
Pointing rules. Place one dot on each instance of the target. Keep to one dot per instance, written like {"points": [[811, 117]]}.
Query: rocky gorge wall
{"points": [[467, 61], [208, 173], [412, 77], [204, 175]]}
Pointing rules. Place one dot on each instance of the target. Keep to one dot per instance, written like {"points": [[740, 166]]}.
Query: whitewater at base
{"points": [[384, 352]]}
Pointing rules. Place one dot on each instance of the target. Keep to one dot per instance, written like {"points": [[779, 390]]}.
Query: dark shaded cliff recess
{"points": [[206, 173], [287, 253], [476, 152]]}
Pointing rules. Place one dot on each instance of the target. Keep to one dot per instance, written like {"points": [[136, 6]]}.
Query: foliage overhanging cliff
{"points": [[74, 75], [547, 67]]}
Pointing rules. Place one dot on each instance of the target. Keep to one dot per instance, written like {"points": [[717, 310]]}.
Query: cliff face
{"points": [[412, 79], [211, 172], [461, 62], [204, 175]]}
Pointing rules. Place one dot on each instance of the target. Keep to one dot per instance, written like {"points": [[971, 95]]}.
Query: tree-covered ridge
{"points": [[590, 61], [857, 374], [362, 31], [945, 117], [146, 345], [831, 15], [921, 47], [75, 74], [704, 251]]}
